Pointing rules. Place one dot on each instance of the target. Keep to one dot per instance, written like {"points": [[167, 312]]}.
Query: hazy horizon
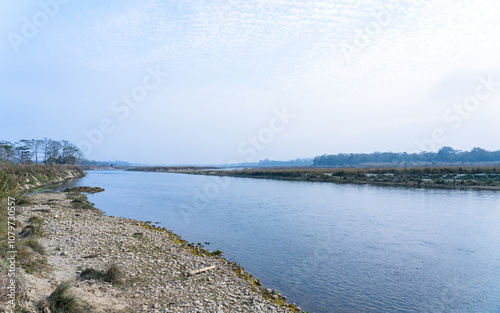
{"points": [[215, 82]]}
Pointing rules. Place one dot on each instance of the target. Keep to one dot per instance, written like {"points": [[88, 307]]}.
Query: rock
{"points": [[269, 291]]}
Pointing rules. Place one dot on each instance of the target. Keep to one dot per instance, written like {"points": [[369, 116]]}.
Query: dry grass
{"points": [[62, 300], [5, 291], [112, 275]]}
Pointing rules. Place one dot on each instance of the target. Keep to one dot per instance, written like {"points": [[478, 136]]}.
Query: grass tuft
{"points": [[112, 275], [35, 245], [62, 300], [36, 220], [91, 273]]}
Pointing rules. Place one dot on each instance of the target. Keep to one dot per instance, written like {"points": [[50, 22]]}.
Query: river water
{"points": [[329, 247]]}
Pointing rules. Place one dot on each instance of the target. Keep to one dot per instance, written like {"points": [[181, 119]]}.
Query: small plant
{"points": [[35, 220], [111, 275], [35, 245], [91, 273], [61, 300]]}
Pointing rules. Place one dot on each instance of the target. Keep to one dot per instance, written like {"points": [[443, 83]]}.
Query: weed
{"points": [[36, 220], [61, 300], [112, 275], [91, 273], [35, 245]]}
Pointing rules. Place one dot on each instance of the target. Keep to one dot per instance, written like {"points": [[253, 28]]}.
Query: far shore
{"points": [[459, 177]]}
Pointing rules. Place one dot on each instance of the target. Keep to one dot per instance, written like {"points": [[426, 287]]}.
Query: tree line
{"points": [[46, 151], [446, 155]]}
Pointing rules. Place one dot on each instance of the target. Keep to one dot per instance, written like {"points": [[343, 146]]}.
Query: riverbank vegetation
{"points": [[15, 181], [431, 177]]}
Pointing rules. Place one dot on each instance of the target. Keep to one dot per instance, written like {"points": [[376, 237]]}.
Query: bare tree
{"points": [[52, 151], [36, 146], [70, 153]]}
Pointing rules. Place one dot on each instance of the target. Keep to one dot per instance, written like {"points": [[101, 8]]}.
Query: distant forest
{"points": [[445, 155], [296, 162]]}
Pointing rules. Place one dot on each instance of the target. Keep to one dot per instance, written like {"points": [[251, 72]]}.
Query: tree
{"points": [[51, 150], [446, 154], [479, 155], [70, 153], [7, 151], [23, 151], [36, 146]]}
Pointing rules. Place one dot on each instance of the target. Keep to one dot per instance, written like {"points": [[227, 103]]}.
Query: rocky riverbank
{"points": [[153, 269], [482, 178]]}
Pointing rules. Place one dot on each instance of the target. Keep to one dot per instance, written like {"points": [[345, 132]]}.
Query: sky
{"points": [[222, 81]]}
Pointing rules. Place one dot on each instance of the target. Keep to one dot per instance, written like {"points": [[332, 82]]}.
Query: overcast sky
{"points": [[208, 82]]}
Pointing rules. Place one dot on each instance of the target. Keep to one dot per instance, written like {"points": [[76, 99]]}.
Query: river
{"points": [[329, 247]]}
